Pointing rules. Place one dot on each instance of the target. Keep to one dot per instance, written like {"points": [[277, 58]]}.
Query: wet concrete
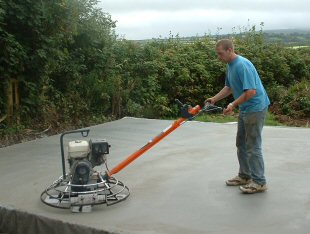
{"points": [[178, 185]]}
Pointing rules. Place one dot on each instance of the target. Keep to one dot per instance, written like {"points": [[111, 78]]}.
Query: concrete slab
{"points": [[178, 185]]}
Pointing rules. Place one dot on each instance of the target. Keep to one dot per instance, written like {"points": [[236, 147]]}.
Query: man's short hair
{"points": [[225, 43]]}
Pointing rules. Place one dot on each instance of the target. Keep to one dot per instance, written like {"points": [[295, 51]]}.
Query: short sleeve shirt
{"points": [[241, 75]]}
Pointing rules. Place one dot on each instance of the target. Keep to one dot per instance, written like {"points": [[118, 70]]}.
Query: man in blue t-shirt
{"points": [[243, 82]]}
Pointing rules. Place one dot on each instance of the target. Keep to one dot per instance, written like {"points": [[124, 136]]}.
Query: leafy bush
{"points": [[73, 70], [295, 102]]}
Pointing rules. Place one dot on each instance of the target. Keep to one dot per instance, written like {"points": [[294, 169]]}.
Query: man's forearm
{"points": [[248, 94], [222, 94]]}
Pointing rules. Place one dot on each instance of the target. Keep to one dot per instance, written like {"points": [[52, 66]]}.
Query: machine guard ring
{"points": [[60, 194]]}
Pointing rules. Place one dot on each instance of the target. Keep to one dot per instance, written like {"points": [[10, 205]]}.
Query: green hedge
{"points": [[73, 69]]}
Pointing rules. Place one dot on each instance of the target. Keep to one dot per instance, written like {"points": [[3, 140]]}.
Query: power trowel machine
{"points": [[83, 186]]}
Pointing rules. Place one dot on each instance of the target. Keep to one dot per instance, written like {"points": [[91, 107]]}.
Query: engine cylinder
{"points": [[81, 171]]}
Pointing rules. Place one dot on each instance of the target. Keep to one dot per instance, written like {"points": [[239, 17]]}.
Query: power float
{"points": [[83, 186]]}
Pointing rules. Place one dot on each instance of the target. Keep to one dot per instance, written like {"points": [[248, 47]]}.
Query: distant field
{"points": [[297, 47], [291, 37]]}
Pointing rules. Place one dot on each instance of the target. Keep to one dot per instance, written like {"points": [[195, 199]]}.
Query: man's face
{"points": [[223, 55]]}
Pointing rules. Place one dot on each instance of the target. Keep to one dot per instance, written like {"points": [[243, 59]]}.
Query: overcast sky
{"points": [[145, 19]]}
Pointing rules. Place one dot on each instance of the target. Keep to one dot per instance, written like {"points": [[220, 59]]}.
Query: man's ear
{"points": [[230, 50]]}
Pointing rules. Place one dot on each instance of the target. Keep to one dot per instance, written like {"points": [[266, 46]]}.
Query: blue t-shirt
{"points": [[241, 75]]}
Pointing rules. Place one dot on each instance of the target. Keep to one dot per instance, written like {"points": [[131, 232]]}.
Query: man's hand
{"points": [[229, 109], [210, 101]]}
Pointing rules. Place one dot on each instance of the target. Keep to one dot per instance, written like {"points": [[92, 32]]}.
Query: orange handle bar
{"points": [[152, 142]]}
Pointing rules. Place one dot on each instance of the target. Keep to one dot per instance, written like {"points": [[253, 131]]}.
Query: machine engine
{"points": [[83, 156], [83, 185]]}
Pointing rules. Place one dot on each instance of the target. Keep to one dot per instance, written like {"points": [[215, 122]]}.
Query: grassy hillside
{"points": [[287, 37]]}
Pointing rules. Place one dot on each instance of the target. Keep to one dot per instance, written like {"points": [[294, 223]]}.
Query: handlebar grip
{"points": [[212, 108]]}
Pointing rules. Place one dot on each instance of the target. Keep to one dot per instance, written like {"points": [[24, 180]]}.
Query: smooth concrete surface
{"points": [[178, 185]]}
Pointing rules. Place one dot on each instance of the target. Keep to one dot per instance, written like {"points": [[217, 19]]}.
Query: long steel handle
{"points": [[152, 142]]}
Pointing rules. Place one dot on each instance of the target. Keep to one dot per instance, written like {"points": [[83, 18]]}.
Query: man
{"points": [[243, 82]]}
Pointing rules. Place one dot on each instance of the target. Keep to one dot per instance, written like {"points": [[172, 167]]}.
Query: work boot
{"points": [[236, 181], [253, 187]]}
